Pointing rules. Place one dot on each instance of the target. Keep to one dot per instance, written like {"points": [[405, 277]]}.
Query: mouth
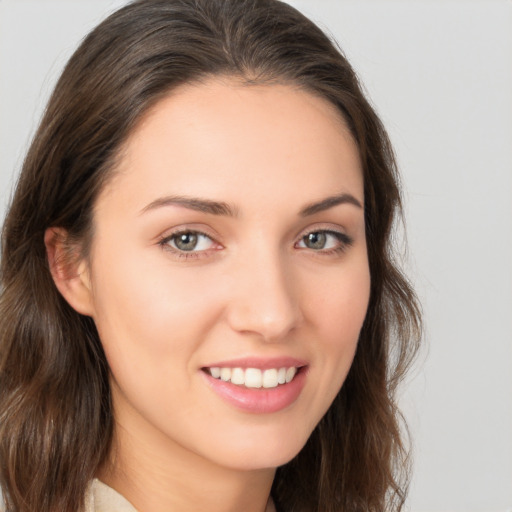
{"points": [[254, 378], [256, 386]]}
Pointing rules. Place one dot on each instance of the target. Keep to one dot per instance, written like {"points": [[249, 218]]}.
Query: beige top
{"points": [[102, 498]]}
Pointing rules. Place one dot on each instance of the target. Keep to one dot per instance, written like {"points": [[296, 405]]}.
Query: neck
{"points": [[155, 475]]}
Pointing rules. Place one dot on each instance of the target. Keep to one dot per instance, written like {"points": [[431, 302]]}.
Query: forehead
{"points": [[219, 138]]}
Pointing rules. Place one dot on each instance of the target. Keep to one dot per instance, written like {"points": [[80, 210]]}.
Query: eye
{"points": [[324, 240], [189, 241]]}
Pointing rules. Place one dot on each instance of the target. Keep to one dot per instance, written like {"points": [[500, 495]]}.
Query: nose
{"points": [[264, 298]]}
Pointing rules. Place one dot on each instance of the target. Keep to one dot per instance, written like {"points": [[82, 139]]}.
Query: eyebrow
{"points": [[330, 202], [222, 208], [193, 203]]}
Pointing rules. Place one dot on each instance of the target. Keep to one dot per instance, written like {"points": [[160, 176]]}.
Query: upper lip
{"points": [[258, 362]]}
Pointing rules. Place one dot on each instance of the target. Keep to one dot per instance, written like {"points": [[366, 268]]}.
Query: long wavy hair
{"points": [[56, 423]]}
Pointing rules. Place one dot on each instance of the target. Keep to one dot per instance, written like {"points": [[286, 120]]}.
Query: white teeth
{"points": [[270, 378], [225, 374], [237, 376], [290, 373], [254, 377]]}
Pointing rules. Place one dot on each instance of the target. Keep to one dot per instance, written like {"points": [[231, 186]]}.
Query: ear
{"points": [[69, 270]]}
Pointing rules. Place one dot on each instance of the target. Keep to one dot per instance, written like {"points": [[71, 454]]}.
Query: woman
{"points": [[200, 309]]}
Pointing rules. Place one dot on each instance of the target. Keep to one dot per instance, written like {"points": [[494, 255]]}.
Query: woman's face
{"points": [[228, 257]]}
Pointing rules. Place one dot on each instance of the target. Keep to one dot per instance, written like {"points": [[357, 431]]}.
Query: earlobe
{"points": [[70, 272]]}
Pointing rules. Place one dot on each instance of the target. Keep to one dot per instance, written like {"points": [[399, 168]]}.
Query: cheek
{"points": [[341, 309], [145, 313], [340, 313], [151, 327]]}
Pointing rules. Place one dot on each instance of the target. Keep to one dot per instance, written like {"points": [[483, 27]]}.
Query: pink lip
{"points": [[262, 400]]}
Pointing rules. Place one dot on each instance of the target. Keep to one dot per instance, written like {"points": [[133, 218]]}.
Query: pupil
{"points": [[186, 241], [316, 240]]}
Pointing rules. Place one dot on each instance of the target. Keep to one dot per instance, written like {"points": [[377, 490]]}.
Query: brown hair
{"points": [[55, 407]]}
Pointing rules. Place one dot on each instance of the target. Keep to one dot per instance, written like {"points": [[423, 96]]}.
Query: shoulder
{"points": [[99, 498]]}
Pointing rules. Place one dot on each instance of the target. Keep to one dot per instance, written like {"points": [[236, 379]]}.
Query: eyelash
{"points": [[165, 244], [344, 240]]}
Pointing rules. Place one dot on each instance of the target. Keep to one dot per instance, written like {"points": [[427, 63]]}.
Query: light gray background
{"points": [[440, 75]]}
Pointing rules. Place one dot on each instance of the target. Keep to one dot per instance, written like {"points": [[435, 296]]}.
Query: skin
{"points": [[253, 287]]}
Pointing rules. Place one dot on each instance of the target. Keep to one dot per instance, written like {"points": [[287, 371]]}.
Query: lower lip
{"points": [[259, 400]]}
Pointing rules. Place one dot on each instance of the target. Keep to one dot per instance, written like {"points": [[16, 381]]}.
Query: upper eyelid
{"points": [[341, 236], [321, 230], [195, 232], [323, 227], [170, 233]]}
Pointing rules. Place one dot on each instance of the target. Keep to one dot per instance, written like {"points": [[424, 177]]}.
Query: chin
{"points": [[262, 452]]}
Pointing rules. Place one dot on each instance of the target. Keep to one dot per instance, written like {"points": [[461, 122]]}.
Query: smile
{"points": [[254, 377], [257, 386]]}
